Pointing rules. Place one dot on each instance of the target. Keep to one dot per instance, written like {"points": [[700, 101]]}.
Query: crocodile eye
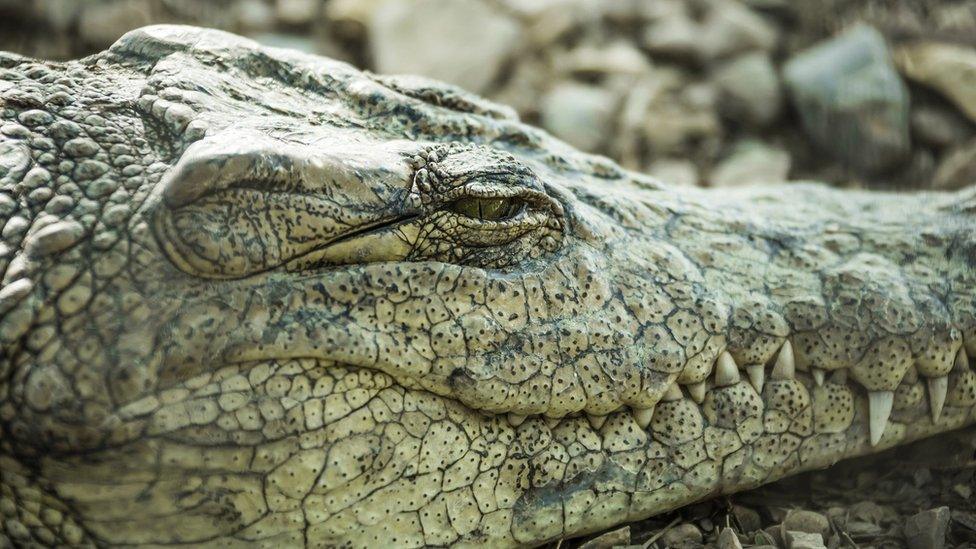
{"points": [[488, 208]]}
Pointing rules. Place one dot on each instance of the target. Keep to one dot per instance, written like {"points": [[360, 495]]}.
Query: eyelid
{"points": [[207, 167]]}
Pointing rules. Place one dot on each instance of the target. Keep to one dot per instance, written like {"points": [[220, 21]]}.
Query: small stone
{"points": [[749, 90], [580, 114], [927, 530], [940, 127], [101, 24], [803, 540], [946, 68], [254, 15], [728, 540], [957, 168], [676, 172], [620, 536], [752, 163], [422, 37], [747, 518], [681, 535], [806, 521], [964, 491], [297, 12], [730, 28], [851, 100]]}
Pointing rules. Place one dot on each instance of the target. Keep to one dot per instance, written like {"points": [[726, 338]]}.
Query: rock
{"points": [[947, 68], [803, 540], [728, 540], [684, 534], [619, 57], [730, 28], [752, 164], [747, 517], [297, 12], [580, 114], [806, 521], [957, 169], [676, 172], [749, 90], [851, 100], [464, 42], [254, 15], [673, 34], [927, 530], [613, 538], [101, 23], [726, 28], [679, 114], [939, 127]]}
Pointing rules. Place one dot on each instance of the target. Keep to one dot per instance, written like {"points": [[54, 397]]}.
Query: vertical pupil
{"points": [[489, 209]]}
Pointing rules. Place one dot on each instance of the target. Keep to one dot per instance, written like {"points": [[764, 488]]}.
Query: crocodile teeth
{"points": [[785, 368], [596, 421], [879, 408], [643, 416], [938, 387], [726, 370], [818, 376], [757, 376], [673, 393], [515, 419], [697, 391], [551, 422], [962, 360]]}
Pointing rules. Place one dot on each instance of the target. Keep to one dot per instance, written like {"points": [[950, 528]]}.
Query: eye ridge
{"points": [[488, 208]]}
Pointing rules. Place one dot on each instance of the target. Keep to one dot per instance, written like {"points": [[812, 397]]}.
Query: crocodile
{"points": [[257, 297]]}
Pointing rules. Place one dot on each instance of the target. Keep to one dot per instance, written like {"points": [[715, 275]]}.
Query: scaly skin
{"points": [[256, 297]]}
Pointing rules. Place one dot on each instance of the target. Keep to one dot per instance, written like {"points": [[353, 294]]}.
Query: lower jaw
{"points": [[337, 454]]}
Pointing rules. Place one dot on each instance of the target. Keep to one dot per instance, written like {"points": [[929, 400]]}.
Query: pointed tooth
{"points": [[962, 360], [938, 387], [726, 370], [697, 391], [818, 376], [551, 422], [643, 416], [879, 408], [596, 421], [515, 419], [757, 376], [673, 393], [785, 367]]}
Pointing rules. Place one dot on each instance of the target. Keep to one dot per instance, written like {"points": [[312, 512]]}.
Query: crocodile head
{"points": [[255, 296]]}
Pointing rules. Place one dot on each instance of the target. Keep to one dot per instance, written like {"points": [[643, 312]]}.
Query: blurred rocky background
{"points": [[874, 93]]}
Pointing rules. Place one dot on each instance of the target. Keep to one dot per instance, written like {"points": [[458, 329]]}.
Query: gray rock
{"points": [[851, 100], [730, 27], [297, 12], [752, 164], [464, 42], [957, 169], [803, 540], [806, 521], [682, 535], [749, 89], [728, 540], [580, 114], [947, 68], [101, 23], [939, 127], [676, 172], [747, 517], [927, 530]]}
